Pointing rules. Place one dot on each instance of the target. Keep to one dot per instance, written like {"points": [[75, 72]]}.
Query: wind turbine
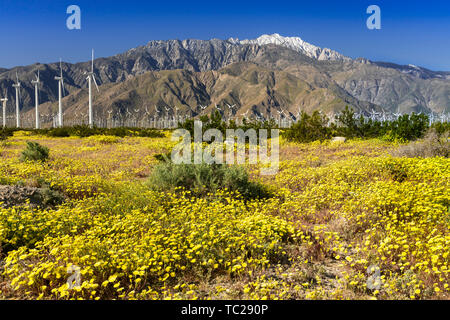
{"points": [[431, 118], [136, 116], [128, 114], [4, 100], [373, 115], [91, 78], [202, 108], [36, 83], [61, 92], [17, 86], [383, 116], [167, 111], [147, 112]]}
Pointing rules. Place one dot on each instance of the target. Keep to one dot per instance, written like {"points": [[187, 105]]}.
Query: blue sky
{"points": [[413, 32]]}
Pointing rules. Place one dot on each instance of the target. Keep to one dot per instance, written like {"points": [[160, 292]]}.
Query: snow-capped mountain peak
{"points": [[297, 44]]}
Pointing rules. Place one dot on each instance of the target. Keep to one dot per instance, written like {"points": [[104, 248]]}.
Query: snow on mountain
{"points": [[296, 44]]}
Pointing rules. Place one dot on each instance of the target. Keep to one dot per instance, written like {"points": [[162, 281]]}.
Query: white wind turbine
{"points": [[61, 92], [231, 108], [373, 115], [4, 100], [167, 111], [431, 118], [397, 115], [17, 87], [91, 78], [383, 116], [36, 83], [146, 111], [136, 116], [442, 117], [202, 108]]}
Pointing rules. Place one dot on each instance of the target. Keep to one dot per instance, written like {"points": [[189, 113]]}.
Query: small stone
{"points": [[339, 139]]}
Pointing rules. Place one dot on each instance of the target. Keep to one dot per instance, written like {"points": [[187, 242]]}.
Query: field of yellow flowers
{"points": [[346, 221]]}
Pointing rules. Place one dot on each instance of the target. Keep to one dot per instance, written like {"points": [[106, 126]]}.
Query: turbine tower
{"points": [[36, 83], [17, 87], [91, 78], [4, 100], [61, 92]]}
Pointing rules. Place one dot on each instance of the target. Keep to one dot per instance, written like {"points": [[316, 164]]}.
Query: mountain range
{"points": [[264, 76]]}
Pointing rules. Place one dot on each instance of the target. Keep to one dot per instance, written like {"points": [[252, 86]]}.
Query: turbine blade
{"points": [[62, 85], [93, 78], [92, 62]]}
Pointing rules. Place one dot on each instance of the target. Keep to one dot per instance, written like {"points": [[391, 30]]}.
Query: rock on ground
{"points": [[339, 139], [11, 196]]}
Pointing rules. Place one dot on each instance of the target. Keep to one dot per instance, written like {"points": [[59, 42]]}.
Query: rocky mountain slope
{"points": [[243, 88]]}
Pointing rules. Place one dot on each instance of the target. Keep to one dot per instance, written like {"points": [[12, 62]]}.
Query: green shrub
{"points": [[309, 128], [163, 157], [103, 139], [214, 121], [34, 152], [59, 132], [86, 131], [405, 128], [5, 133], [350, 126], [408, 127], [203, 179], [51, 197]]}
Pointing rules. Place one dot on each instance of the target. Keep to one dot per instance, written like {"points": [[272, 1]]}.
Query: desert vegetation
{"points": [[317, 126], [133, 225]]}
